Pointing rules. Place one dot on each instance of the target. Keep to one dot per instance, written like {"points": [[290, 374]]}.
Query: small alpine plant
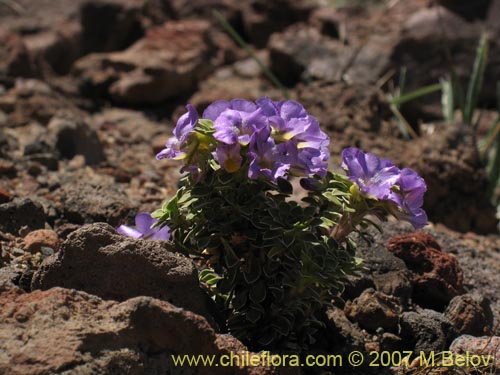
{"points": [[272, 262]]}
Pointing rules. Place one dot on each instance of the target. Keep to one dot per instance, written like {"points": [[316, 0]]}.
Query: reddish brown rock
{"points": [[5, 196], [70, 135], [244, 79], [21, 212], [15, 60], [32, 100], [467, 9], [63, 331], [7, 168], [98, 260], [394, 283], [437, 276], [469, 315], [343, 334], [37, 239], [110, 25], [449, 162], [168, 62], [373, 309], [262, 18], [328, 21], [58, 47]]}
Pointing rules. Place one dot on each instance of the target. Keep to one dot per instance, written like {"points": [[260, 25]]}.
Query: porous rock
{"points": [[72, 136], [15, 59], [109, 25], [394, 283], [98, 260], [484, 345], [33, 100], [470, 315], [301, 52], [21, 212], [34, 241], [437, 276], [344, 334], [425, 330], [69, 332], [373, 309], [168, 62], [262, 19], [85, 199], [449, 162]]}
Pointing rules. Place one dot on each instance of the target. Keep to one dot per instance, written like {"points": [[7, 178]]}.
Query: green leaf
{"points": [[201, 191], [240, 299], [476, 80], [157, 214], [415, 94], [253, 272], [275, 251], [258, 292], [230, 257], [282, 325], [253, 315]]}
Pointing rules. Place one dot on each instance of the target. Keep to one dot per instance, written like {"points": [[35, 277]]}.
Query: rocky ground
{"points": [[89, 93]]}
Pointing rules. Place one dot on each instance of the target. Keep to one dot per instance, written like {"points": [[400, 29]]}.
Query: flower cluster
{"points": [[270, 139], [381, 180], [264, 255]]}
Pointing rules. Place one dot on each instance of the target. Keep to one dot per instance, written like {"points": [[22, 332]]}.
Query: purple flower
{"points": [[268, 160], [143, 223], [374, 176], [381, 179], [216, 108], [307, 161], [236, 121], [233, 126], [409, 195], [307, 145], [229, 157], [175, 147]]}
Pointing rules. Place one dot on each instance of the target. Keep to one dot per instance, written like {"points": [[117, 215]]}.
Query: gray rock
{"points": [[485, 345], [426, 331], [84, 199], [8, 279], [301, 52], [432, 35], [98, 260]]}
